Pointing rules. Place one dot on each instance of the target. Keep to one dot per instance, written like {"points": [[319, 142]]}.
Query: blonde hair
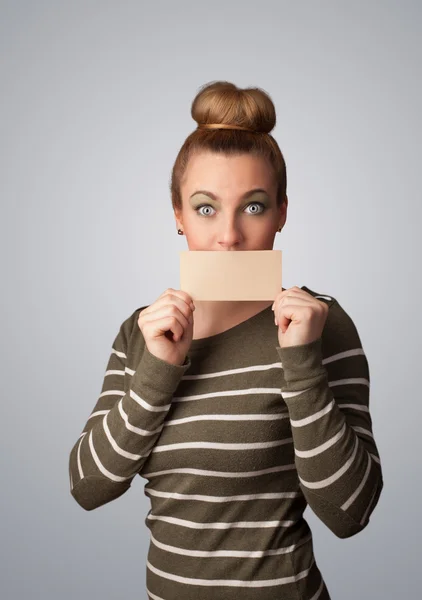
{"points": [[221, 102]]}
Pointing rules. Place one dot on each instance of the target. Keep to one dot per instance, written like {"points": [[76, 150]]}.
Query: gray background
{"points": [[95, 104]]}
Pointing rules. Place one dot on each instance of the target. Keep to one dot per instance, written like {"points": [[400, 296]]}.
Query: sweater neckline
{"points": [[236, 330]]}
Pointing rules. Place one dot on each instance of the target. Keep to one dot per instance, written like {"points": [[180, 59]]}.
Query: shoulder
{"points": [[129, 328], [340, 331], [324, 297]]}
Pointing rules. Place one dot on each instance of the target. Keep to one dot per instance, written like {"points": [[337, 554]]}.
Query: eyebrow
{"points": [[214, 197]]}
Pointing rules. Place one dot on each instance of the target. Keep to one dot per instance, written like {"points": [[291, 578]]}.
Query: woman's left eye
{"points": [[257, 204]]}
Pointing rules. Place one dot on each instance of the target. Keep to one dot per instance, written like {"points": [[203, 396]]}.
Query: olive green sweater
{"points": [[233, 445]]}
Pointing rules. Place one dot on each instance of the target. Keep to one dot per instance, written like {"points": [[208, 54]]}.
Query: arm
{"points": [[326, 391], [123, 427]]}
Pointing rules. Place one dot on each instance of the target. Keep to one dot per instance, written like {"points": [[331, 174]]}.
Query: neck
{"points": [[217, 310]]}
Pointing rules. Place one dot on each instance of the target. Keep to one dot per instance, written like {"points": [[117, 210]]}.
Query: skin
{"points": [[230, 222], [299, 316]]}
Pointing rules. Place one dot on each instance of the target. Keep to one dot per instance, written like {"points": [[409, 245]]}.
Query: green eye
{"points": [[263, 207]]}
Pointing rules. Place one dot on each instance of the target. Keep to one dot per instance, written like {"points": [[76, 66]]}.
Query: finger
{"points": [[288, 310], [181, 294], [291, 292], [155, 327], [172, 310], [172, 299], [287, 300]]}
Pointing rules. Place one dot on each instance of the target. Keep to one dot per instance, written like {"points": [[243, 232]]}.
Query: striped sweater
{"points": [[233, 445]]}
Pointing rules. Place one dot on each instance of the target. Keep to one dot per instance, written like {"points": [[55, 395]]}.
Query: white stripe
{"points": [[146, 405], [115, 446], [71, 481], [360, 380], [223, 394], [263, 367], [112, 393], [230, 582], [114, 372], [221, 445], [221, 525], [376, 459], [345, 354], [101, 467], [368, 508], [362, 430], [263, 496], [322, 447], [118, 353], [315, 485], [314, 417], [229, 553], [131, 427], [321, 296], [355, 406], [296, 393], [232, 417], [252, 368], [229, 474], [98, 412], [247, 391], [81, 473], [154, 596], [355, 494]]}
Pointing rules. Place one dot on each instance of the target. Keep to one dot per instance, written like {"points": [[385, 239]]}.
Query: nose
{"points": [[230, 237]]}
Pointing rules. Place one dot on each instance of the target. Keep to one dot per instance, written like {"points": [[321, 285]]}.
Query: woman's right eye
{"points": [[197, 209]]}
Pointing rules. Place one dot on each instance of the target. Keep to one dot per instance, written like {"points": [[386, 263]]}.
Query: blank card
{"points": [[230, 275]]}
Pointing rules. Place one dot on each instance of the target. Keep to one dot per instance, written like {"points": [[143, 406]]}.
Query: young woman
{"points": [[238, 414]]}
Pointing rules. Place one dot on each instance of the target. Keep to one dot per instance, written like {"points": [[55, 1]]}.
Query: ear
{"points": [[283, 212], [178, 217]]}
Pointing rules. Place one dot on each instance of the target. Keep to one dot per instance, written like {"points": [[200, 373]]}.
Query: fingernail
{"points": [[192, 306]]}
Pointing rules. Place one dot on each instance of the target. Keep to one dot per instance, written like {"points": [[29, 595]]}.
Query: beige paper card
{"points": [[238, 275]]}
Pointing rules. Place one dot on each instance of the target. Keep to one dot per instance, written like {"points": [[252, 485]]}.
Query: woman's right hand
{"points": [[167, 326]]}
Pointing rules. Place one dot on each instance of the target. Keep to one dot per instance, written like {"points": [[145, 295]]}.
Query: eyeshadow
{"points": [[200, 198]]}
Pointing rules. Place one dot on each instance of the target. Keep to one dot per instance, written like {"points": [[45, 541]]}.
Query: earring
{"points": [[180, 232], [280, 229]]}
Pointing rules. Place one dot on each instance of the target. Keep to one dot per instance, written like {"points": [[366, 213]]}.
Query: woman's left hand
{"points": [[300, 317]]}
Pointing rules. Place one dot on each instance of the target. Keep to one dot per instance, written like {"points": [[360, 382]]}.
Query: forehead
{"points": [[218, 172]]}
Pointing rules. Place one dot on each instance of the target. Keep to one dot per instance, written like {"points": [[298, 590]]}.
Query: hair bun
{"points": [[223, 102]]}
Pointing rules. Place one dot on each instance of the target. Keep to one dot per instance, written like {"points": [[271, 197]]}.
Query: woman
{"points": [[236, 417]]}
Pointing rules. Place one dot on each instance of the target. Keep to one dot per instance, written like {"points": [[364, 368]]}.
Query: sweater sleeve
{"points": [[123, 427], [326, 391]]}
